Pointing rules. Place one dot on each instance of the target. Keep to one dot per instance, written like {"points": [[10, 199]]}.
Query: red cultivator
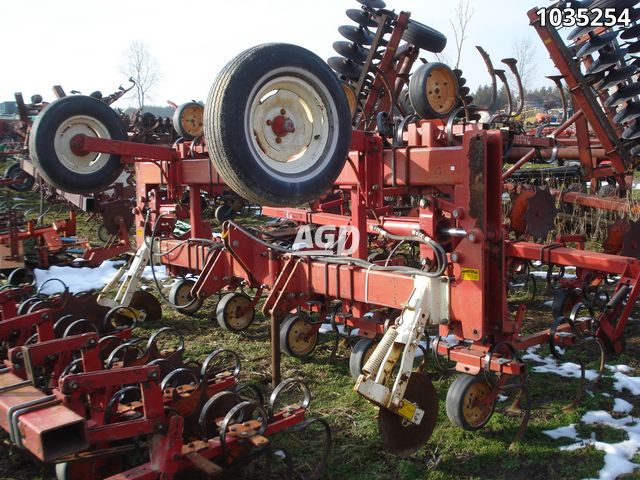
{"points": [[378, 173]]}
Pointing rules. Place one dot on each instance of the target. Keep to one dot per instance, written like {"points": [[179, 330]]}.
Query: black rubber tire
{"points": [[224, 213], [285, 328], [563, 302], [43, 152], [181, 129], [424, 37], [21, 276], [418, 94], [221, 312], [357, 359], [455, 405], [10, 168], [234, 153], [15, 172], [177, 295]]}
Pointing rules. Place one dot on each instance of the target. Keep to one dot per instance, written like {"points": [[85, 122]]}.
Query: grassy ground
{"points": [[357, 452]]}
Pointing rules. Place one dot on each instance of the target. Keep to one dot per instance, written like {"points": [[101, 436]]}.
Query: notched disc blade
{"points": [[634, 47], [351, 51], [361, 17], [606, 60], [631, 133], [356, 34], [623, 94], [345, 67], [596, 43], [616, 76], [401, 437], [630, 112], [631, 32]]}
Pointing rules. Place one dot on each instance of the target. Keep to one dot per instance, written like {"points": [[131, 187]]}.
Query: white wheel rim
{"points": [[80, 125], [290, 124]]}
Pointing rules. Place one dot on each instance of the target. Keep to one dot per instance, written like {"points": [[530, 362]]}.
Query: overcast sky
{"points": [[79, 44]]}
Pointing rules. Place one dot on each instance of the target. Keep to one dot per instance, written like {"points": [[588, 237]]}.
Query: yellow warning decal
{"points": [[407, 410], [470, 274]]}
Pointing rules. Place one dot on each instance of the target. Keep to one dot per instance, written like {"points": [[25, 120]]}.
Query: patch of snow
{"points": [[622, 406], [76, 279], [550, 365], [563, 432], [624, 382], [160, 271]]}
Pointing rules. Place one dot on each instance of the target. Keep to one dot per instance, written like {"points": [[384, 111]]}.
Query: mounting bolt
{"points": [[73, 385], [278, 140], [457, 213], [424, 203], [268, 122], [456, 257], [235, 243], [283, 112]]}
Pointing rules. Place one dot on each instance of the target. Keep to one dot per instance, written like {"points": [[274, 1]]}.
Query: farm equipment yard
{"points": [[358, 268]]}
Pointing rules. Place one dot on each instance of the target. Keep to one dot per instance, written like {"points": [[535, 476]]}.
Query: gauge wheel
{"points": [[433, 90], [55, 155], [233, 312], [360, 354], [188, 120], [470, 402], [298, 337], [277, 125], [181, 299]]}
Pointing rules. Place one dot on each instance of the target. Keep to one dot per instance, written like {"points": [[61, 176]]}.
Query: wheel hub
{"points": [[67, 143], [282, 125]]}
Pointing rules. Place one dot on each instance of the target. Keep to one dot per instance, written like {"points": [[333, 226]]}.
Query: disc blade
{"points": [[464, 91], [356, 34], [361, 17], [630, 112], [606, 60], [623, 94], [462, 81], [345, 67], [351, 51], [401, 437], [631, 241], [616, 76], [540, 214], [631, 133], [596, 43], [142, 300], [631, 32], [375, 4], [634, 47]]}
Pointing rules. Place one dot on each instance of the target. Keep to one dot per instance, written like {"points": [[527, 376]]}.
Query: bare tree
{"points": [[524, 51], [142, 68], [459, 23]]}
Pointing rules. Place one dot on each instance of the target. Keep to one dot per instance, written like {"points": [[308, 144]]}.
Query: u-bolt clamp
{"points": [[512, 64]]}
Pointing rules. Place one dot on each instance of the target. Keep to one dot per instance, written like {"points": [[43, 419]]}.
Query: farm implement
{"points": [[78, 390], [403, 179]]}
